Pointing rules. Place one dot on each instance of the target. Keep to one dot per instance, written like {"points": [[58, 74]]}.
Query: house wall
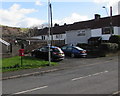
{"points": [[96, 32], [4, 48], [55, 37], [59, 37], [40, 37], [73, 38], [118, 30], [77, 36]]}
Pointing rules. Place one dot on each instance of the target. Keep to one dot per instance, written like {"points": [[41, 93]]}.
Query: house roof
{"points": [[55, 30], [96, 23], [4, 42], [92, 24]]}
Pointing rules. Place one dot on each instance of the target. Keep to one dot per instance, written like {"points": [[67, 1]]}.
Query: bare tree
{"points": [[42, 26], [33, 30]]}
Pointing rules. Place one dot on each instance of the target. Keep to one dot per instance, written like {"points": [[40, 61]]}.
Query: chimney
{"points": [[97, 16]]}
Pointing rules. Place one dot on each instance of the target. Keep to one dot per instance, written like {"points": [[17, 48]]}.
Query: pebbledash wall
{"points": [[82, 36], [77, 36]]}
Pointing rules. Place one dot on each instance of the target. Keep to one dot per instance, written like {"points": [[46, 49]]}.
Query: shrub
{"points": [[109, 47], [115, 39]]}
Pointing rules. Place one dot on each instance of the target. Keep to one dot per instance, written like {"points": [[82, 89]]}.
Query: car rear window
{"points": [[57, 50], [78, 48]]}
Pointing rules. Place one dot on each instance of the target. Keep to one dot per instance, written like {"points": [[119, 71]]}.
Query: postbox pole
{"points": [[21, 61]]}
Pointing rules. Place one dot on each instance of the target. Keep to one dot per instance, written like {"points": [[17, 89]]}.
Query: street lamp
{"points": [[111, 29], [106, 10]]}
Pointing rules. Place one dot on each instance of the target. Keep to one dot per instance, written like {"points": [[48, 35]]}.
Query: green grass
{"points": [[14, 63]]}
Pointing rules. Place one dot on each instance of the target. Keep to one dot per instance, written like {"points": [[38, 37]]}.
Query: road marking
{"points": [[95, 63], [89, 75], [30, 90], [100, 73], [116, 92]]}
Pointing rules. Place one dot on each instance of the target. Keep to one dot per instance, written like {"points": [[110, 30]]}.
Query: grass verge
{"points": [[14, 63]]}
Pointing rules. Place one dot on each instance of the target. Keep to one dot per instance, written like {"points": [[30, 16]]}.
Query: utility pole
{"points": [[51, 31], [111, 28], [49, 41]]}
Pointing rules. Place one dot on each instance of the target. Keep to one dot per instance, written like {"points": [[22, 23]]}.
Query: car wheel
{"points": [[72, 55]]}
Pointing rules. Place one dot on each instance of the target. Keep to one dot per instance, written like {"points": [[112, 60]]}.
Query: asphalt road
{"points": [[82, 76]]}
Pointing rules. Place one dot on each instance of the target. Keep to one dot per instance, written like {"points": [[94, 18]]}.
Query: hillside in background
{"points": [[13, 31]]}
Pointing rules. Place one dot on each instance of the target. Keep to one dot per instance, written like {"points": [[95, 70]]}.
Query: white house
{"points": [[77, 36], [57, 34], [99, 27], [81, 32], [55, 37]]}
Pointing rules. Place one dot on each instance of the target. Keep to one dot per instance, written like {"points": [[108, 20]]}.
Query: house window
{"points": [[81, 33], [59, 36], [43, 37], [106, 30]]}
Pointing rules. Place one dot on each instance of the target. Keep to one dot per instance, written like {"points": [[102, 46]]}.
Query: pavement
{"points": [[39, 71], [29, 72], [36, 71]]}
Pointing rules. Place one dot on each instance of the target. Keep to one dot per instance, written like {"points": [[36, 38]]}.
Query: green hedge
{"points": [[115, 39], [109, 47]]}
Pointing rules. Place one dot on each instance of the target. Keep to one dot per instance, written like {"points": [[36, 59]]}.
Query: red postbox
{"points": [[21, 52]]}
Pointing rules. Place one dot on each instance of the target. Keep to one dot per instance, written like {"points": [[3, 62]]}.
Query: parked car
{"points": [[43, 53], [74, 51]]}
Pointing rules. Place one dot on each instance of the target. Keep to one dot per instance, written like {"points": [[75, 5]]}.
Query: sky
{"points": [[28, 13]]}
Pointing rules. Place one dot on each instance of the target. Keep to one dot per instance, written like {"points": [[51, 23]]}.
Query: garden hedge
{"points": [[115, 39]]}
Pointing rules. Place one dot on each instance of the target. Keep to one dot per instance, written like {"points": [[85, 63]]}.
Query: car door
{"points": [[37, 52], [69, 50], [43, 52], [64, 49]]}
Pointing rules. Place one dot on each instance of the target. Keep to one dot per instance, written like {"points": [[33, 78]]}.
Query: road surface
{"points": [[83, 76]]}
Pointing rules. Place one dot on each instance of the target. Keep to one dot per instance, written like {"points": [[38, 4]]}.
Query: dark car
{"points": [[74, 51], [43, 53]]}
